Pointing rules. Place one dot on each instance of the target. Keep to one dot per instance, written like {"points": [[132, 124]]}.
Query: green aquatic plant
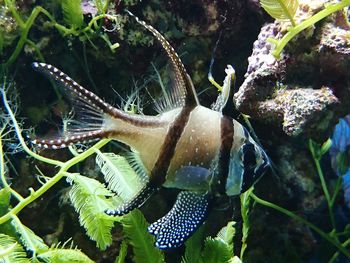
{"points": [[215, 250], [135, 229], [286, 9], [281, 9], [11, 251], [72, 15], [90, 199], [334, 237]]}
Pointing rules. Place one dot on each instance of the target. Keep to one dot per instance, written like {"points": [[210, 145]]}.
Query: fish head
{"points": [[247, 165]]}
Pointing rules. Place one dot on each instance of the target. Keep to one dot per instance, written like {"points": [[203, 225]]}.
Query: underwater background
{"points": [[292, 92]]}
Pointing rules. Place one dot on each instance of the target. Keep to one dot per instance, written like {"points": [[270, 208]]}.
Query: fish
{"points": [[202, 152]]}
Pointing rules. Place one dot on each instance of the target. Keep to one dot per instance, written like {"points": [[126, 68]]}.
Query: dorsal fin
{"points": [[183, 93], [224, 102]]}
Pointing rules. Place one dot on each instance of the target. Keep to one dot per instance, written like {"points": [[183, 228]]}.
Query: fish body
{"points": [[200, 151]]}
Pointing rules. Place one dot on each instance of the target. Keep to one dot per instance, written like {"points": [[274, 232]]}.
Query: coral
{"points": [[311, 98]]}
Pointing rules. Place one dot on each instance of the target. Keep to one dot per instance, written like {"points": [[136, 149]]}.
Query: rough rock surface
{"points": [[302, 91]]}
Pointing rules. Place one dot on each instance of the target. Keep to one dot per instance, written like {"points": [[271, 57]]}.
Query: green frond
{"points": [[119, 175], [219, 249], [62, 255], [281, 9], [227, 233], [245, 209], [72, 13], [236, 260], [216, 251], [122, 253], [90, 199], [11, 251], [194, 247], [135, 229], [28, 238], [4, 200], [137, 165], [6, 228]]}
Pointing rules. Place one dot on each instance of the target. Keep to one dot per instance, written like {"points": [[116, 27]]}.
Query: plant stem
{"points": [[52, 181], [245, 205], [19, 132], [290, 214], [326, 192], [317, 156], [25, 30], [337, 188], [2, 173], [10, 4], [336, 254]]}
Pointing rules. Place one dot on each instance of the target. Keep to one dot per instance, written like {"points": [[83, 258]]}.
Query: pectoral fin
{"points": [[136, 202], [191, 178], [187, 214]]}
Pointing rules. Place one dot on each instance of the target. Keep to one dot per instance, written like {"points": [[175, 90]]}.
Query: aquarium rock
{"points": [[299, 92]]}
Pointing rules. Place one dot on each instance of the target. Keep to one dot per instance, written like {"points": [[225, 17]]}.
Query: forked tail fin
{"points": [[90, 112]]}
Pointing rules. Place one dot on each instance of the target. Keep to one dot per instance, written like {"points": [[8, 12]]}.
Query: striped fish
{"points": [[200, 151]]}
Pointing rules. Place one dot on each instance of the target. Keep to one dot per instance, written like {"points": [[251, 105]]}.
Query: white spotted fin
{"points": [[187, 214]]}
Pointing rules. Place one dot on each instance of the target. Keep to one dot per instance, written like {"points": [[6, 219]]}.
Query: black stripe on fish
{"points": [[249, 156], [167, 151], [227, 133], [136, 202]]}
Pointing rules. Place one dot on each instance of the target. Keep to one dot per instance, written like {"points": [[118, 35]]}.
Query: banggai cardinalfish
{"points": [[201, 151]]}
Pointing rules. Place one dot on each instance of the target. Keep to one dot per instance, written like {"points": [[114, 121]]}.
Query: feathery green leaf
{"points": [[135, 228], [134, 159], [194, 247], [122, 253], [89, 198], [28, 238], [227, 233], [11, 251], [6, 228], [72, 13], [119, 175], [62, 255], [281, 9], [216, 251]]}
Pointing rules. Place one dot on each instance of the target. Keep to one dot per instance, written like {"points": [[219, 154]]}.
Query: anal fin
{"points": [[188, 213], [140, 198]]}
